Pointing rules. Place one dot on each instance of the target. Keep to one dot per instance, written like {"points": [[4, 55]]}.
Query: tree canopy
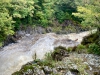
{"points": [[90, 14], [15, 13]]}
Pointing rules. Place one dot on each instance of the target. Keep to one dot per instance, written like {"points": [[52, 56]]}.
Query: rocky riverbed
{"points": [[31, 47], [75, 64]]}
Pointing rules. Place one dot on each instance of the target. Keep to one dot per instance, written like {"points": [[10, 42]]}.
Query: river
{"points": [[13, 56]]}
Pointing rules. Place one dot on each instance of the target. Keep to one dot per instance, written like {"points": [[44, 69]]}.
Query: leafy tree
{"points": [[48, 10], [63, 9], [43, 14], [6, 21], [22, 10], [90, 13]]}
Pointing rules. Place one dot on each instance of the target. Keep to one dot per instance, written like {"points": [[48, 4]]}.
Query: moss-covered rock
{"points": [[59, 53]]}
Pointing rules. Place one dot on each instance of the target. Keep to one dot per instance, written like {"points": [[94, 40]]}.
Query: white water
{"points": [[13, 56]]}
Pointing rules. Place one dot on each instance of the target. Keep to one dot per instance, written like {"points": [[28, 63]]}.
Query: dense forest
{"points": [[19, 14]]}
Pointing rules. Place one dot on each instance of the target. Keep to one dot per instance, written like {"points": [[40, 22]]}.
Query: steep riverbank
{"points": [[13, 56]]}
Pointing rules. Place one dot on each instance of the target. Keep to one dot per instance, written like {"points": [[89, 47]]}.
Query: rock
{"points": [[87, 66], [72, 66], [40, 30], [38, 71], [27, 35], [97, 72], [20, 33], [48, 29], [47, 70], [93, 60], [29, 72], [69, 73], [73, 72], [59, 53], [54, 70]]}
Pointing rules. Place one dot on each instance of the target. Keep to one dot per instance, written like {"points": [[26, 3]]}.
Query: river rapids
{"points": [[13, 56]]}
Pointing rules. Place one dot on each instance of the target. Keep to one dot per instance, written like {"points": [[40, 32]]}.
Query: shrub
{"points": [[48, 60], [81, 49], [94, 48]]}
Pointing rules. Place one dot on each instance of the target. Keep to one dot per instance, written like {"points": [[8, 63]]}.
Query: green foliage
{"points": [[81, 49], [56, 29], [48, 10], [81, 46], [22, 8], [69, 49], [92, 38], [92, 42], [62, 16], [94, 48], [21, 11], [15, 14], [59, 48], [63, 9], [48, 61], [5, 21], [24, 69], [90, 12], [70, 28], [0, 44], [5, 24], [12, 15], [43, 13], [49, 57]]}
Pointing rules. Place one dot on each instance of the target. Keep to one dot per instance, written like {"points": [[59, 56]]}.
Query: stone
{"points": [[69, 73], [72, 66], [27, 35], [38, 71], [54, 70], [29, 72], [47, 70]]}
